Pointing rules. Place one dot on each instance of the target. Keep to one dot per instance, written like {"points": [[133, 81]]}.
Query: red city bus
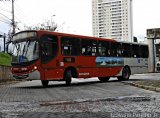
{"points": [[50, 56]]}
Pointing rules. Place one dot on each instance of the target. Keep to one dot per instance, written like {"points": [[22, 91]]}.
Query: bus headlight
{"points": [[35, 67]]}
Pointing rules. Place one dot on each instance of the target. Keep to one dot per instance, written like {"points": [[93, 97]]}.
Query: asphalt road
{"points": [[84, 98]]}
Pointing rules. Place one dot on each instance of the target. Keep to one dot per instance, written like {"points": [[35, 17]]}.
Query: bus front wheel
{"points": [[68, 77], [44, 83], [125, 74], [103, 79]]}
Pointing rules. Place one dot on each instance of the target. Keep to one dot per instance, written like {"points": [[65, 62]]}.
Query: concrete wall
{"points": [[5, 73]]}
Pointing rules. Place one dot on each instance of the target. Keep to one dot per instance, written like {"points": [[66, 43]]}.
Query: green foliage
{"points": [[5, 59]]}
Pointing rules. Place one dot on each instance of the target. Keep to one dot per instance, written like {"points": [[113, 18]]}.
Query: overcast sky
{"points": [[75, 16]]}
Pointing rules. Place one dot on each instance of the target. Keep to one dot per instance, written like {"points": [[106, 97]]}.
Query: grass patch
{"points": [[5, 59]]}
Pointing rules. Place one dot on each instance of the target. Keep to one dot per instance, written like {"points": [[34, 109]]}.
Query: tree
{"points": [[47, 25]]}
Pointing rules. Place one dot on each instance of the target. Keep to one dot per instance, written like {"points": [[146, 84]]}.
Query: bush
{"points": [[5, 59]]}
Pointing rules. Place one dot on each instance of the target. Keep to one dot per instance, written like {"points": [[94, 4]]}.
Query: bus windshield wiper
{"points": [[25, 49]]}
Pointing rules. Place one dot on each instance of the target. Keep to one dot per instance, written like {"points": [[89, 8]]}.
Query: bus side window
{"points": [[103, 48], [126, 50], [89, 47], [70, 46], [144, 51], [119, 50], [135, 51], [114, 47]]}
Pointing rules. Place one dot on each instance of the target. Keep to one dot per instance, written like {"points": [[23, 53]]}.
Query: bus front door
{"points": [[49, 51]]}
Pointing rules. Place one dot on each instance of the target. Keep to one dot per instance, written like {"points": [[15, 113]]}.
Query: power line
{"points": [[4, 21], [12, 6], [6, 4], [22, 16], [5, 16], [5, 10]]}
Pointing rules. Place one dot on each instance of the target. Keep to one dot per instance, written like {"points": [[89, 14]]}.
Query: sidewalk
{"points": [[7, 81], [148, 81]]}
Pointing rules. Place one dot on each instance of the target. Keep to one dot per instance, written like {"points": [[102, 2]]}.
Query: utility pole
{"points": [[4, 38], [13, 22]]}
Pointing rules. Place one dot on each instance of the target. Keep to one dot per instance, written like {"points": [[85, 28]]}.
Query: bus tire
{"points": [[45, 83], [125, 74], [104, 79], [68, 77]]}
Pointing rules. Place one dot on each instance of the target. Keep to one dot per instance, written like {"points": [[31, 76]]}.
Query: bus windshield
{"points": [[25, 51]]}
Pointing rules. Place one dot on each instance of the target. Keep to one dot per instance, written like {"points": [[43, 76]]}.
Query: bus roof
{"points": [[79, 36], [74, 35]]}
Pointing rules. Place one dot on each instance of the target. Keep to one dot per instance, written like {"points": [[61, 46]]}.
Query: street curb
{"points": [[8, 82], [143, 86]]}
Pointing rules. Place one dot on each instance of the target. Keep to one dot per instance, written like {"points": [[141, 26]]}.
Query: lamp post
{"points": [[52, 23], [4, 40]]}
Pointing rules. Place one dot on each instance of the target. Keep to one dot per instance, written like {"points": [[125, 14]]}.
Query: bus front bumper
{"points": [[35, 75]]}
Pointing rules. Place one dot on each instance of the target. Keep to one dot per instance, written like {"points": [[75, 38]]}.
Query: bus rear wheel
{"points": [[68, 77], [125, 74], [44, 83], [104, 79]]}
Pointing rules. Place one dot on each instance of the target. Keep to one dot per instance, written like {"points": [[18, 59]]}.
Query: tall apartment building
{"points": [[112, 19]]}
